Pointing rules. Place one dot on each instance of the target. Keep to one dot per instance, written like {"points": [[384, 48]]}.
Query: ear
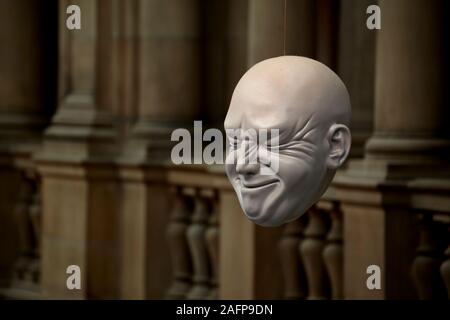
{"points": [[339, 140]]}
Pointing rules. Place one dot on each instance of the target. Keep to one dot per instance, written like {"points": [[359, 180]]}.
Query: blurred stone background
{"points": [[85, 176]]}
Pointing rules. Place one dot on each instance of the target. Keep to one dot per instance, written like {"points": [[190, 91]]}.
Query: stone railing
{"points": [[430, 268], [206, 224], [193, 232], [26, 271], [311, 254], [310, 249]]}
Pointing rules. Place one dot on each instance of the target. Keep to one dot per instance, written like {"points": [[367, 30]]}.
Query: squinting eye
{"points": [[271, 147], [234, 143]]}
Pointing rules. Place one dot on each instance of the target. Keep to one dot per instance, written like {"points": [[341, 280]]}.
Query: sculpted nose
{"points": [[247, 158], [247, 168]]}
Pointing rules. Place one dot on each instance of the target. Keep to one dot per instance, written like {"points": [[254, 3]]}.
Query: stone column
{"points": [[327, 32], [26, 82], [79, 184], [411, 116], [356, 67], [213, 66], [27, 100], [236, 33], [168, 75], [408, 142], [166, 95], [266, 30]]}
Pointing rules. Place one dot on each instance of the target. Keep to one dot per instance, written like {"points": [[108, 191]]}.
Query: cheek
{"points": [[293, 171], [304, 159]]}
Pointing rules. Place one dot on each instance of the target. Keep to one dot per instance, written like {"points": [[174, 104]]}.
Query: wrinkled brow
{"points": [[295, 131], [303, 128]]}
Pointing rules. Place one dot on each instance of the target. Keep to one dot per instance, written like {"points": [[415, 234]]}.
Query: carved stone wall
{"points": [[85, 123]]}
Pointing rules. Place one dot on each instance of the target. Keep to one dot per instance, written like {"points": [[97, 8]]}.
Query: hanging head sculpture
{"points": [[309, 108]]}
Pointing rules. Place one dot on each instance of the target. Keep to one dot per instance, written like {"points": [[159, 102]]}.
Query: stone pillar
{"points": [[236, 33], [356, 67], [166, 92], [27, 100], [223, 55], [213, 65], [326, 32], [411, 117], [168, 75], [266, 30], [409, 137], [79, 183], [26, 81]]}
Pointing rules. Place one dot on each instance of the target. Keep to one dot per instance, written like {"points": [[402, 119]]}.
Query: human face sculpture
{"points": [[308, 105]]}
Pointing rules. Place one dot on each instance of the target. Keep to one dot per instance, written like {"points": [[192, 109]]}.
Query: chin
{"points": [[265, 215], [264, 220], [253, 211], [268, 223]]}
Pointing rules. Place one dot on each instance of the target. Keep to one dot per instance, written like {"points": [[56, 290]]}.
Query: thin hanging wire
{"points": [[284, 28]]}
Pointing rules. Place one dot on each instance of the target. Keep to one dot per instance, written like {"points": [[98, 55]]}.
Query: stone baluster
{"points": [[35, 219], [445, 270], [198, 249], [28, 215], [311, 250], [24, 228], [291, 263], [333, 253], [425, 267], [179, 250], [212, 242]]}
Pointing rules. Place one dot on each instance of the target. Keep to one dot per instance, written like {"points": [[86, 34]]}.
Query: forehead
{"points": [[255, 112], [264, 106]]}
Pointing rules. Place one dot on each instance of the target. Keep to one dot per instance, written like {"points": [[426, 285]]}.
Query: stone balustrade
{"points": [[431, 267], [193, 234], [309, 255], [311, 251], [26, 270]]}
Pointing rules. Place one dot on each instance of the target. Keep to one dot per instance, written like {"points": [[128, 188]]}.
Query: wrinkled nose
{"points": [[247, 158], [247, 168]]}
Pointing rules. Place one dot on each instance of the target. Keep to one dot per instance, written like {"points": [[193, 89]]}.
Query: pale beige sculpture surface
{"points": [[310, 106]]}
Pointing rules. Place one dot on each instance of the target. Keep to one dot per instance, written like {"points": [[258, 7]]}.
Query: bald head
{"points": [[288, 92], [309, 107]]}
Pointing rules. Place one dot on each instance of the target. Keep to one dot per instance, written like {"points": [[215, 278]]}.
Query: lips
{"points": [[257, 183]]}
